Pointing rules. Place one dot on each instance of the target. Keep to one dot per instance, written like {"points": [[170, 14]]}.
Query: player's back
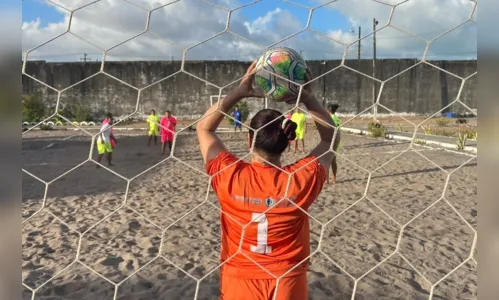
{"points": [[278, 234], [105, 133], [237, 115]]}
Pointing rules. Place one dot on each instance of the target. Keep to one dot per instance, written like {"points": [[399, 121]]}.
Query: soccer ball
{"points": [[284, 62]]}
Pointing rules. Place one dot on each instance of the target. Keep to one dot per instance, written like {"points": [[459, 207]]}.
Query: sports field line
{"points": [[61, 140], [446, 146]]}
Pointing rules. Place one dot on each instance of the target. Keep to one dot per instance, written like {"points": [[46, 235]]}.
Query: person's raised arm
{"points": [[324, 124], [209, 143]]}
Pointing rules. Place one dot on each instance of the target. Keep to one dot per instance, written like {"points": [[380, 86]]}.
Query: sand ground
{"points": [[163, 192]]}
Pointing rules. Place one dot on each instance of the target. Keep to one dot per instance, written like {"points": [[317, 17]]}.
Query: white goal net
{"points": [[400, 222]]}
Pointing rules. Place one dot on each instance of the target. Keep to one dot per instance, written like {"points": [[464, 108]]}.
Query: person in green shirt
{"points": [[301, 120], [331, 108], [153, 127]]}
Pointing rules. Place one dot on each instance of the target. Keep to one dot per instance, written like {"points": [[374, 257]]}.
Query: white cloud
{"points": [[259, 26], [188, 22]]}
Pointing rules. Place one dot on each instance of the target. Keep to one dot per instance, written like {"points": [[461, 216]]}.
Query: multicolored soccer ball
{"points": [[284, 62]]}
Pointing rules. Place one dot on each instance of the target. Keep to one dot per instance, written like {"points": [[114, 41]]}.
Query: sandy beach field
{"points": [[147, 228]]}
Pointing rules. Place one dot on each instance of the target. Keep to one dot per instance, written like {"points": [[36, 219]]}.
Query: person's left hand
{"points": [[307, 92], [245, 88]]}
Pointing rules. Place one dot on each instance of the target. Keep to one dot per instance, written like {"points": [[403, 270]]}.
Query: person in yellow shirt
{"points": [[153, 127], [331, 108], [301, 120]]}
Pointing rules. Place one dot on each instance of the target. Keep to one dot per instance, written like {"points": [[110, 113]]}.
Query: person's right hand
{"points": [[245, 88], [307, 93]]}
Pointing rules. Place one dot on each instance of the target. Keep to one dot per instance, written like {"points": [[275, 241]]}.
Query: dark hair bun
{"points": [[289, 129], [274, 131]]}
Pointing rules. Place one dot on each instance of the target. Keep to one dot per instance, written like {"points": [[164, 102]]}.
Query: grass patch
{"points": [[461, 141], [399, 127], [432, 130], [470, 132], [419, 141]]}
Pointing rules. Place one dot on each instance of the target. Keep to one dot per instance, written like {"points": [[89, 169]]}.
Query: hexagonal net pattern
{"points": [[389, 222]]}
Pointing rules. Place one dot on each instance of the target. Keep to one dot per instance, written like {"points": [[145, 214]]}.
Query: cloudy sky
{"points": [[109, 25]]}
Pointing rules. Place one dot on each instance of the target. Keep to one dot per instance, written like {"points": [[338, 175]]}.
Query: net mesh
{"points": [[107, 218]]}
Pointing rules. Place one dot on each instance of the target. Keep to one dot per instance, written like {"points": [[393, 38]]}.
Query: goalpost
{"points": [[215, 98]]}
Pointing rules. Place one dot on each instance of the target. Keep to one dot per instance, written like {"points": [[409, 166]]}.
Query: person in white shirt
{"points": [[104, 145]]}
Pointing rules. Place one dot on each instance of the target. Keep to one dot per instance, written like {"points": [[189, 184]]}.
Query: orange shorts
{"points": [[290, 288]]}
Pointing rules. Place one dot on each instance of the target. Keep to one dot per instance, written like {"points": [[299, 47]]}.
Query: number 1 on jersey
{"points": [[263, 227]]}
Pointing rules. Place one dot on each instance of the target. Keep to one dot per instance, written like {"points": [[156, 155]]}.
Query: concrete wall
{"points": [[421, 90]]}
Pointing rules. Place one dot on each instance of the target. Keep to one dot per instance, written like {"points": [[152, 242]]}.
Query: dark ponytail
{"points": [[275, 133], [289, 129]]}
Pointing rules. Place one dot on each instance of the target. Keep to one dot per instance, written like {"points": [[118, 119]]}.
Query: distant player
{"points": [[153, 127], [109, 116], [331, 108], [104, 140], [238, 116], [168, 124], [106, 119], [278, 240], [301, 120]]}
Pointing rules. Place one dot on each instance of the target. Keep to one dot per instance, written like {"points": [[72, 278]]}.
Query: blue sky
{"points": [[323, 19], [33, 9], [328, 20]]}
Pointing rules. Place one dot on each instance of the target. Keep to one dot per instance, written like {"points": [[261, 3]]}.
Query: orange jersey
{"points": [[278, 239]]}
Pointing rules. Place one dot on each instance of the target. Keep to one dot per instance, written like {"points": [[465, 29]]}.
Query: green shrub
{"points": [[461, 141], [378, 132], [470, 132], [373, 124], [67, 112], [419, 141], [376, 129], [244, 108], [75, 112], [442, 121], [81, 113], [429, 130], [445, 132], [33, 108]]}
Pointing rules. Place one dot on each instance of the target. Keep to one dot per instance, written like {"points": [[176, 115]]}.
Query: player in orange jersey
{"points": [[277, 237]]}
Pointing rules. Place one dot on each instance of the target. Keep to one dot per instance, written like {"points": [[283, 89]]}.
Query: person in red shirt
{"points": [[276, 242], [108, 119], [168, 124]]}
